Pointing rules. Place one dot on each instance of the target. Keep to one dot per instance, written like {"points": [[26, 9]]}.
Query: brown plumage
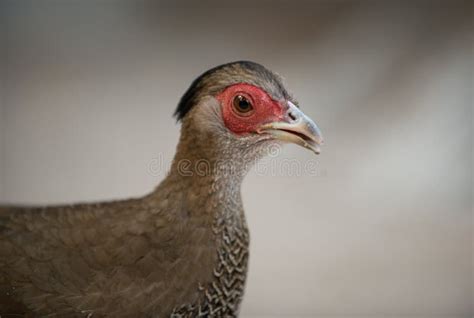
{"points": [[180, 251]]}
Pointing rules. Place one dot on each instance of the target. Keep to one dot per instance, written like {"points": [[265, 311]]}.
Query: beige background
{"points": [[383, 228]]}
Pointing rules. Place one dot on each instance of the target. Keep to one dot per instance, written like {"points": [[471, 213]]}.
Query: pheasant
{"points": [[180, 251]]}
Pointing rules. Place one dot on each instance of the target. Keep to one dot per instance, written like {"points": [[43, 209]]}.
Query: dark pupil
{"points": [[243, 103]]}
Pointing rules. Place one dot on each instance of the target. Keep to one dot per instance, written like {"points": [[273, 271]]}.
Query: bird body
{"points": [[181, 251]]}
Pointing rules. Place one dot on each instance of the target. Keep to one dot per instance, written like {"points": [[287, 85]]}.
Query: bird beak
{"points": [[295, 128]]}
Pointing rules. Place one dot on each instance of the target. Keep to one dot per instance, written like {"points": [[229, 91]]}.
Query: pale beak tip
{"points": [[315, 148]]}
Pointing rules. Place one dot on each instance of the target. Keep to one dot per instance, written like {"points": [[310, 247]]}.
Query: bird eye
{"points": [[242, 105]]}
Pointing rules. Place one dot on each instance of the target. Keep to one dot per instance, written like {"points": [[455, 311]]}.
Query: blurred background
{"points": [[385, 228]]}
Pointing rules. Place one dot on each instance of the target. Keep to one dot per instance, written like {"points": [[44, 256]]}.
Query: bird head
{"points": [[243, 106]]}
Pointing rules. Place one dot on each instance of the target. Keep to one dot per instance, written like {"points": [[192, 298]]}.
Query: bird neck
{"points": [[202, 198], [211, 201], [204, 155], [209, 173]]}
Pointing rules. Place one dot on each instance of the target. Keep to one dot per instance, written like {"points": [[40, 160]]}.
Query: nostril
{"points": [[292, 116]]}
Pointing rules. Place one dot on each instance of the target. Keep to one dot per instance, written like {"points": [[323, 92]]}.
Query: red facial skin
{"points": [[265, 109]]}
